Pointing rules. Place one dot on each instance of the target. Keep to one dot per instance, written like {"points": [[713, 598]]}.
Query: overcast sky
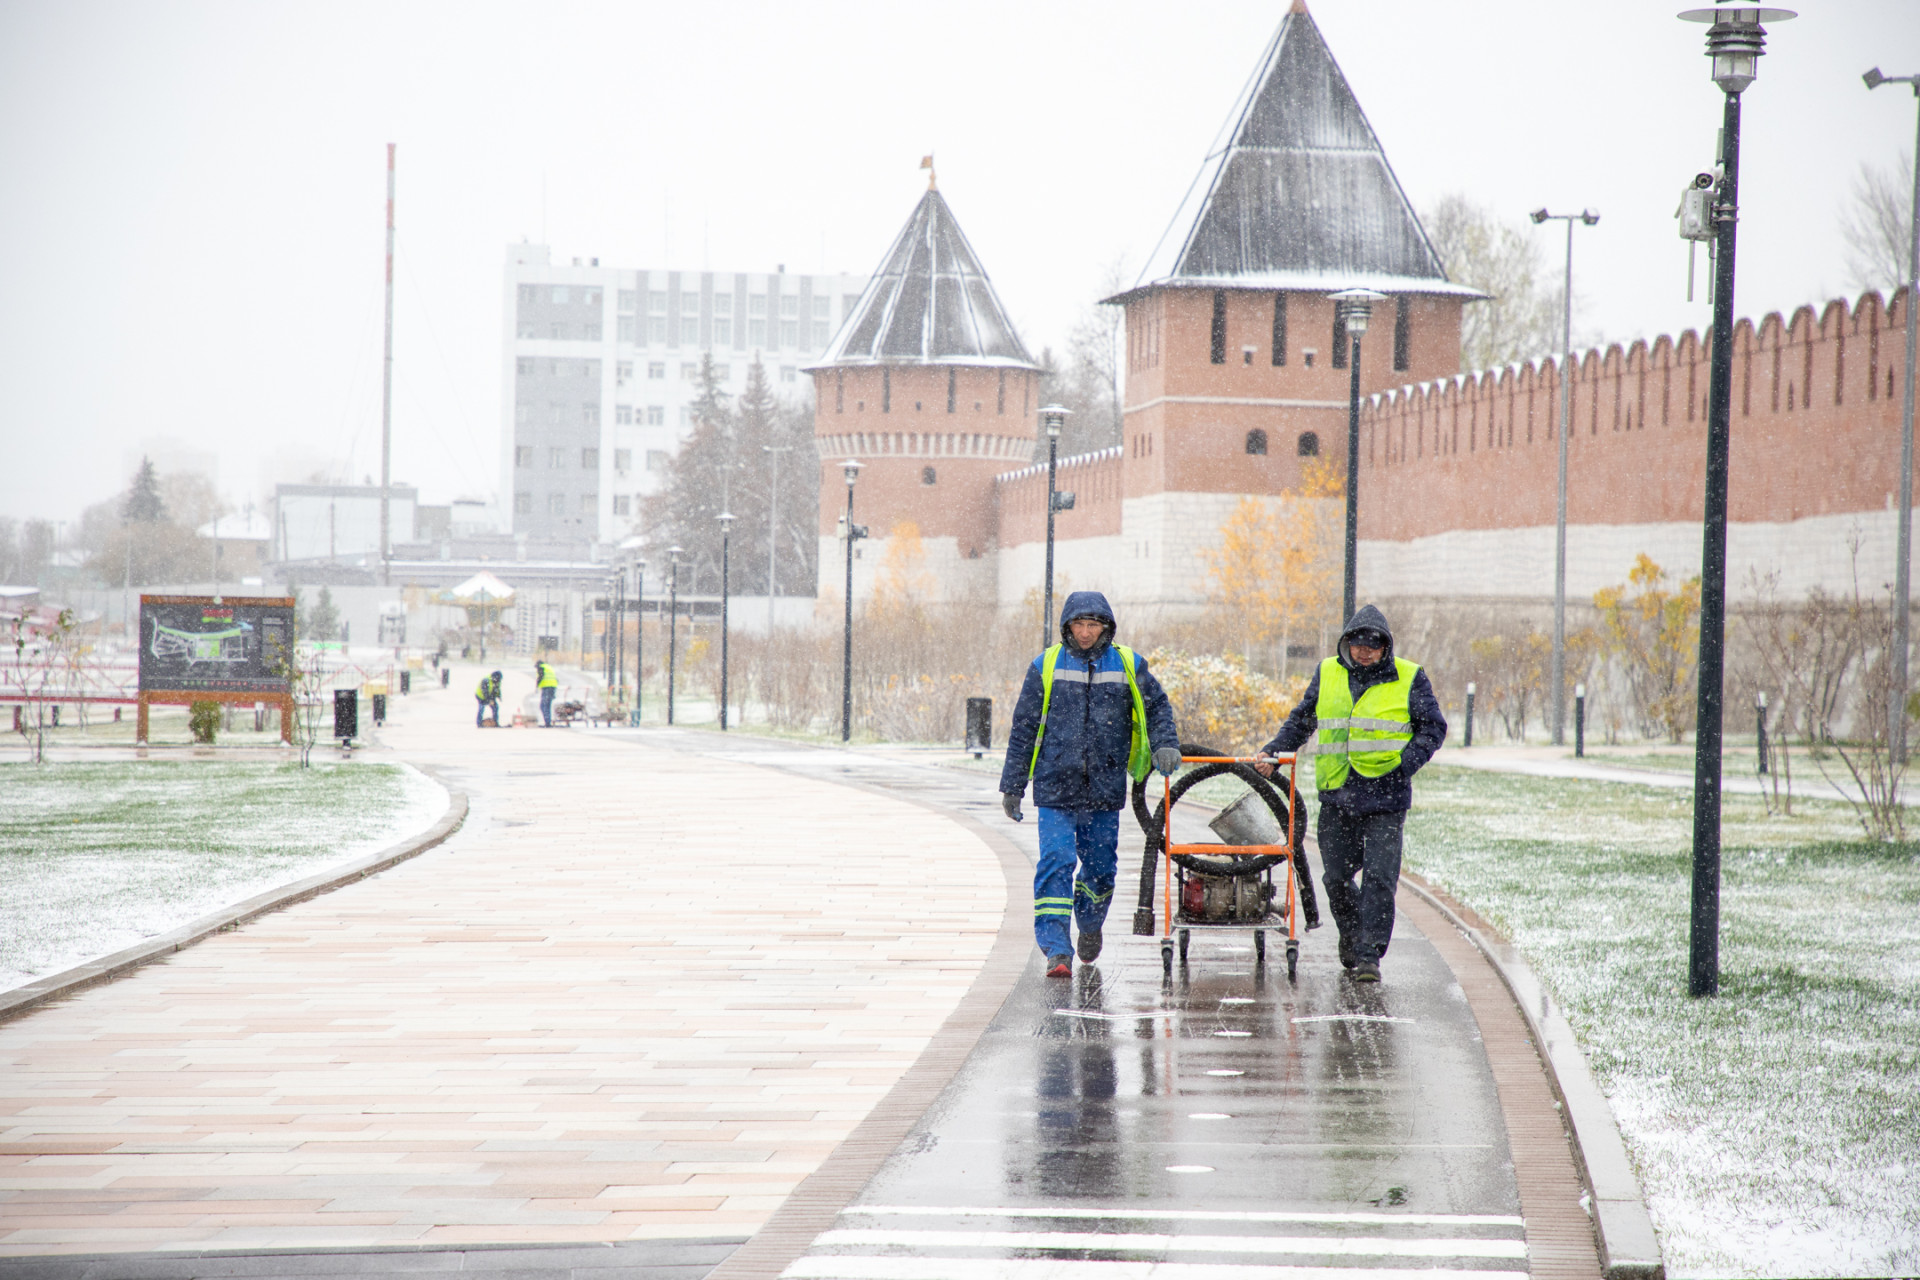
{"points": [[191, 232]]}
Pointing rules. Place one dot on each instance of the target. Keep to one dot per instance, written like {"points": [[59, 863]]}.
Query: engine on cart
{"points": [[1221, 897]]}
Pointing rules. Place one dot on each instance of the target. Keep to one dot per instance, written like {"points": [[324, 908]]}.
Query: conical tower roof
{"points": [[1301, 196], [929, 302]]}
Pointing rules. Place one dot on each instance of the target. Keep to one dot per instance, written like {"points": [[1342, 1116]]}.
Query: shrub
{"points": [[204, 719], [1220, 703]]}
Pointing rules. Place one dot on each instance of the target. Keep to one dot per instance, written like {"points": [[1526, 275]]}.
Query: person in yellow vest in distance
{"points": [[488, 695], [1374, 722], [549, 683], [1090, 714]]}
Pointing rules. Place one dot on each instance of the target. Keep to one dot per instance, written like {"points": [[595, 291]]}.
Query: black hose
{"points": [[1153, 824]]}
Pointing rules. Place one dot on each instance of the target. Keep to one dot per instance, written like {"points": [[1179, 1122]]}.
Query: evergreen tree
{"points": [[323, 622], [143, 502]]}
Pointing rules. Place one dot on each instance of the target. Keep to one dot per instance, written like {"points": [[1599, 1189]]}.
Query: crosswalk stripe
{"points": [[1143, 1242], [1191, 1215], [871, 1267]]}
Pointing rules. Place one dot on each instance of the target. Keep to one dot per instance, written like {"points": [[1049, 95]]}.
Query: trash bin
{"points": [[346, 713], [379, 709], [446, 676], [979, 726], [406, 683]]}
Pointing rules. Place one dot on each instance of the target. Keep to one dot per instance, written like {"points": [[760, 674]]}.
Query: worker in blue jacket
{"points": [[1090, 715]]}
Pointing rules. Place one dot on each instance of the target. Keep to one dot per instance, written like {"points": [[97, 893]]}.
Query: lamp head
{"points": [[1589, 216], [1874, 79], [1356, 305], [673, 554], [1736, 40], [726, 522], [851, 470], [1539, 216], [1053, 417]]}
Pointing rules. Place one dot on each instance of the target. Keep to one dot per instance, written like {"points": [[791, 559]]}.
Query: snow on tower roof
{"points": [[929, 302], [1301, 194]]}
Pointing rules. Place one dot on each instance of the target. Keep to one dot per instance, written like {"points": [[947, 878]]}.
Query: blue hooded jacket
{"points": [[1083, 757]]}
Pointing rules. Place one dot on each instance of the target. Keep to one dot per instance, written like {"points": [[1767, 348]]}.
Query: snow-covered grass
{"points": [[1776, 1127], [95, 857]]}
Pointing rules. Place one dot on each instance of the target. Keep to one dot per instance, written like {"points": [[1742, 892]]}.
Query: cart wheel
{"points": [[1293, 958], [1184, 936], [1260, 946], [1166, 957]]}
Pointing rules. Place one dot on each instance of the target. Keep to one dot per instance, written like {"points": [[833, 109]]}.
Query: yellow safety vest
{"points": [[1140, 754], [548, 680], [1365, 736]]}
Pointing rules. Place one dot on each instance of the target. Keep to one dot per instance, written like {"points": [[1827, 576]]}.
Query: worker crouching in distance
{"points": [[1090, 716], [488, 695], [1374, 722]]}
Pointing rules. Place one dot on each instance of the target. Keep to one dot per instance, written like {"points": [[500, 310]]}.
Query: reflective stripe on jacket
{"points": [[1139, 752], [1367, 736]]}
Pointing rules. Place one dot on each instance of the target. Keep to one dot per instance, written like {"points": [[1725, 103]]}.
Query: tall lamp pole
{"points": [[1054, 417], [1355, 308], [1903, 549], [726, 552], [639, 636], [851, 470], [673, 622], [1735, 42], [773, 452], [1557, 681]]}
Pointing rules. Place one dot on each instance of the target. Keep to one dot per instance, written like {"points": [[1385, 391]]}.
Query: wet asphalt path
{"points": [[1224, 1125]]}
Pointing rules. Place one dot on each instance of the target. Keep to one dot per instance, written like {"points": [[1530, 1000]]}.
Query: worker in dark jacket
{"points": [[1377, 723], [1090, 714]]}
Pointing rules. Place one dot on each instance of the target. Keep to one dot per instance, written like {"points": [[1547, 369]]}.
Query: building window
{"points": [[757, 304], [789, 374], [558, 330], [952, 378], [722, 331], [627, 298], [723, 304], [686, 415], [556, 458], [560, 295], [1308, 446], [528, 295], [722, 372], [839, 390], [623, 460], [524, 366], [623, 415], [590, 459], [927, 475], [820, 333], [1279, 329], [592, 333], [756, 333], [626, 329], [1219, 331], [589, 504], [689, 370], [1339, 338], [523, 413], [523, 455], [590, 414], [1402, 333], [790, 305], [790, 333], [656, 460], [622, 505], [590, 296], [623, 371], [556, 504], [526, 330], [886, 391], [689, 331], [657, 329], [657, 302], [656, 368], [523, 504], [1257, 442], [656, 415]]}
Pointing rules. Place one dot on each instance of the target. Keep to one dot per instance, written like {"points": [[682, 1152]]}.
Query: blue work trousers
{"points": [[1369, 847], [546, 705], [1070, 837]]}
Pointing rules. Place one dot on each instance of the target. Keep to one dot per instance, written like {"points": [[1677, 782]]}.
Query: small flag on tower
{"points": [[926, 162]]}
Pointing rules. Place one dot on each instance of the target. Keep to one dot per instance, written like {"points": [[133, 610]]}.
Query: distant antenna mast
{"points": [[386, 402]]}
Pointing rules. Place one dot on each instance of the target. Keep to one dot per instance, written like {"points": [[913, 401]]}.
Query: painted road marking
{"points": [[845, 1267], [1189, 1168], [1351, 1017], [1109, 1017], [1128, 1242], [1194, 1215]]}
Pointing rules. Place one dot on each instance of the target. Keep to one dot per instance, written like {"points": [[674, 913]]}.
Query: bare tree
{"points": [[1086, 376], [1522, 318], [1876, 224]]}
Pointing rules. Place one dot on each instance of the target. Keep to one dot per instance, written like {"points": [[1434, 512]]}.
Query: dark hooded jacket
{"points": [[1083, 755], [1392, 792]]}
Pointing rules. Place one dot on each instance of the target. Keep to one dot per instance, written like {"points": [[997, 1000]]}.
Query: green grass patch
{"points": [[1776, 1126]]}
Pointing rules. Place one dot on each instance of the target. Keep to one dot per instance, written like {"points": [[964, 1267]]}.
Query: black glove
{"points": [[1166, 760], [1010, 801]]}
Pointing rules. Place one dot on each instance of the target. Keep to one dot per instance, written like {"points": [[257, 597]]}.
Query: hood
{"points": [[1086, 604], [1365, 618]]}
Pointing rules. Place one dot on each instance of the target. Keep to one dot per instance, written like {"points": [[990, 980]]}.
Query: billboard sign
{"points": [[201, 644]]}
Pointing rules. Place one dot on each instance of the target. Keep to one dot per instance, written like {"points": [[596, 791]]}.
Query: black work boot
{"points": [[1348, 958], [1089, 946]]}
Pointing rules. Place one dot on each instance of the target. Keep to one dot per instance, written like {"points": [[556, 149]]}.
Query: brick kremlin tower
{"points": [[928, 386]]}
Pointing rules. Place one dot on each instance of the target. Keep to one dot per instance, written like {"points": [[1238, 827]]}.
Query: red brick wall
{"points": [[1097, 482], [1815, 431]]}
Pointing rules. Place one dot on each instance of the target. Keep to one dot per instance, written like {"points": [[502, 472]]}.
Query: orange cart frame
{"points": [[1169, 850]]}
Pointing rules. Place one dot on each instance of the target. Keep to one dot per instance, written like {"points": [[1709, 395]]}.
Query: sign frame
{"points": [[283, 698]]}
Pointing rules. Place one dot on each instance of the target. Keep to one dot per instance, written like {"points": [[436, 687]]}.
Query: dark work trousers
{"points": [[1368, 847]]}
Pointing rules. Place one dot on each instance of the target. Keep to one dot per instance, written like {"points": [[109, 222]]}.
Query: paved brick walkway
{"points": [[640, 995]]}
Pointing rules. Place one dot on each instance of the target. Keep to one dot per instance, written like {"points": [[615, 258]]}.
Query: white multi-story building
{"points": [[602, 369]]}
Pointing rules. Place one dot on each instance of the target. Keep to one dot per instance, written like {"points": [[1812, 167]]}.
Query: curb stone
{"points": [[1629, 1249], [105, 969]]}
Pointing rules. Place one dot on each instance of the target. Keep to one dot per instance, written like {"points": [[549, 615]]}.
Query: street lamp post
{"points": [[1735, 42], [1054, 416], [851, 470], [1903, 542], [773, 452], [673, 623], [726, 551], [639, 637], [1557, 680], [1356, 308]]}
